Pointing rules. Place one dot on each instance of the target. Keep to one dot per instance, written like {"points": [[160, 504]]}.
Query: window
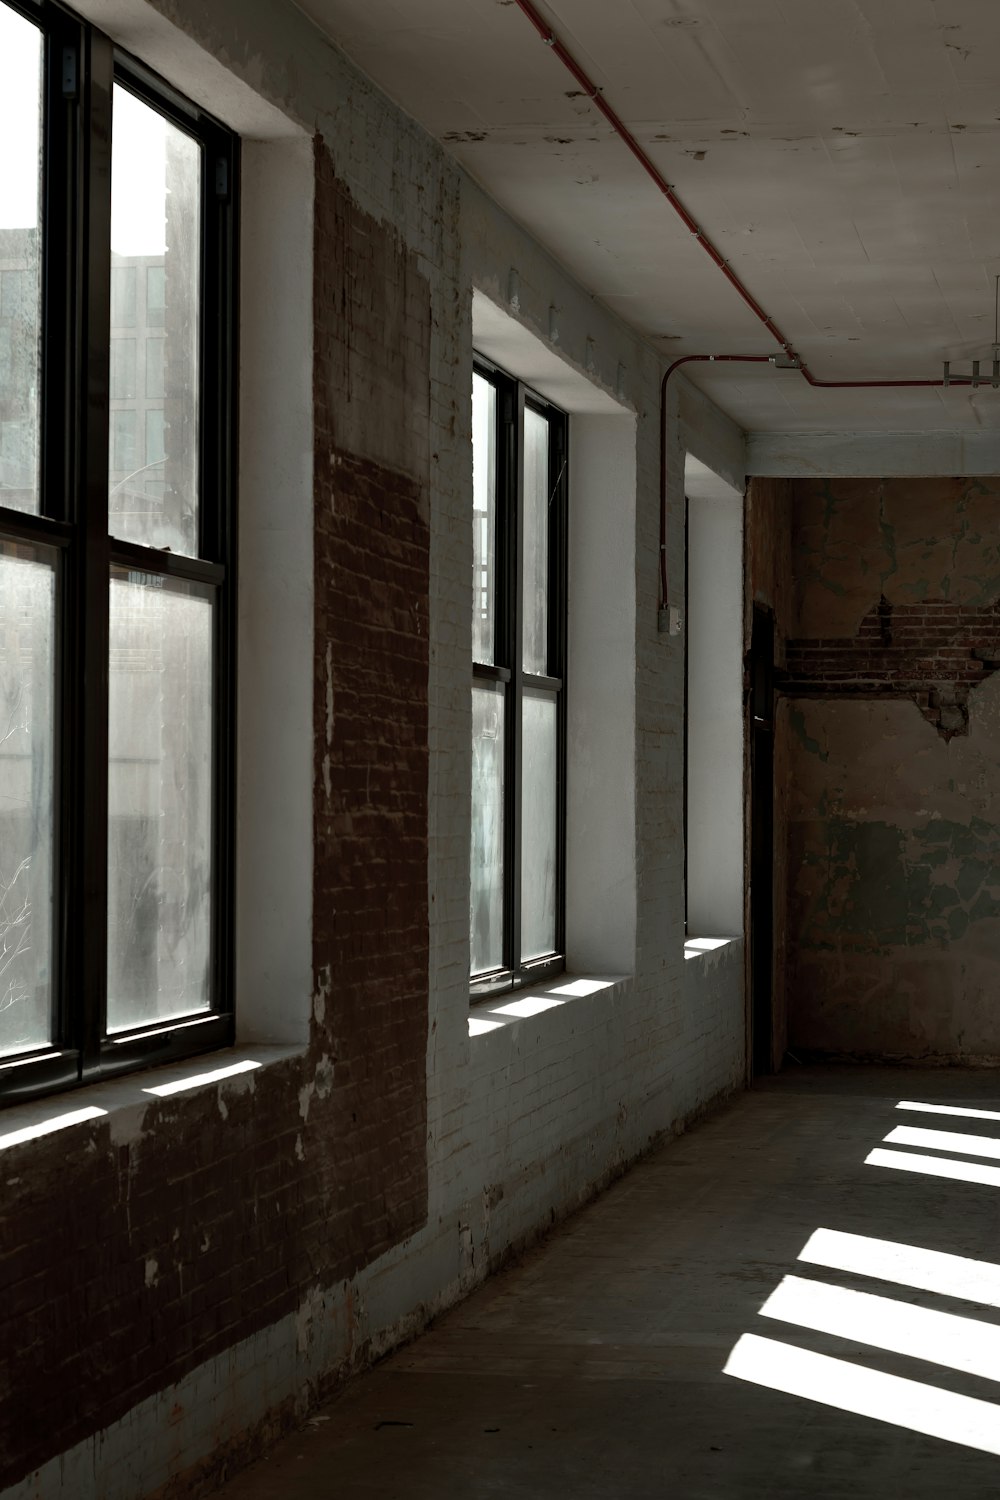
{"points": [[117, 210], [518, 676]]}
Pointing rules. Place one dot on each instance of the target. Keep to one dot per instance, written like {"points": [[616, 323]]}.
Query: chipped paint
{"points": [[324, 1076], [310, 1312], [894, 833], [305, 1100], [322, 994], [797, 724]]}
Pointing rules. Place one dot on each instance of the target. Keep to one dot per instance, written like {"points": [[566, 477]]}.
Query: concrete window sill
{"points": [[124, 1101], [706, 947], [491, 1016]]}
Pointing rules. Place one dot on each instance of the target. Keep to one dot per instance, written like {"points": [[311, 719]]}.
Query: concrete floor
{"points": [[594, 1368]]}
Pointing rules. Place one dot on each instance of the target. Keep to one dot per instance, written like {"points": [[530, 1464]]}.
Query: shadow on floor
{"points": [[598, 1366]]}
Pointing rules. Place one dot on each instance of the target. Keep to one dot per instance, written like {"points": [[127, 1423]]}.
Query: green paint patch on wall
{"points": [[870, 887], [797, 724]]}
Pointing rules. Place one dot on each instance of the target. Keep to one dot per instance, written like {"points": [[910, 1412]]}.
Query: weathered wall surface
{"points": [[128, 1263], [894, 715], [372, 584], [769, 582], [182, 1277]]}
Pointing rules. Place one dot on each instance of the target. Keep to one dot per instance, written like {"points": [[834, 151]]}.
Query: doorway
{"points": [[761, 730]]}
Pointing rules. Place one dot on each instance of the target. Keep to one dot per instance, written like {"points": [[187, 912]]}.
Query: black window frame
{"points": [[513, 397], [81, 67]]}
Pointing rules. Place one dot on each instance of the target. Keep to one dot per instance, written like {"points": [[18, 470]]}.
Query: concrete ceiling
{"points": [[844, 155]]}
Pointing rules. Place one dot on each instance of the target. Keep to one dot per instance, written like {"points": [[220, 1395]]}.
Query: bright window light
{"points": [[935, 1166], [531, 1005], [46, 1127], [943, 1140], [949, 1109], [198, 1079], [581, 987], [478, 1027], [907, 1265], [142, 1036], [867, 1393], [706, 944], [947, 1339], [24, 1062]]}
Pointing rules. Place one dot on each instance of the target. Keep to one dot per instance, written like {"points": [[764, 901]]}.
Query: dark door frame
{"points": [[761, 833]]}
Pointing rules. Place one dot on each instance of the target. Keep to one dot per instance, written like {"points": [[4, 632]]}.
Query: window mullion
{"points": [[220, 199], [89, 945], [558, 645], [515, 492], [62, 365], [60, 534]]}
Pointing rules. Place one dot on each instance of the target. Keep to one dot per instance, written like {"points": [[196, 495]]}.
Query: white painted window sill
{"points": [[123, 1101], [705, 947], [508, 1010]]}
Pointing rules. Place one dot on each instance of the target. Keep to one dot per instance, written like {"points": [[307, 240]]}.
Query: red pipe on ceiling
{"points": [[618, 125]]}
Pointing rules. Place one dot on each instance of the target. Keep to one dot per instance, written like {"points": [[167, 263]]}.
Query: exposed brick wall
{"points": [[125, 1265], [263, 1201], [370, 939], [894, 901], [373, 307], [932, 652], [372, 581]]}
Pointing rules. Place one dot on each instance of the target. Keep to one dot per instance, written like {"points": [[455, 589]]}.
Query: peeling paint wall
{"points": [[894, 720], [182, 1278]]}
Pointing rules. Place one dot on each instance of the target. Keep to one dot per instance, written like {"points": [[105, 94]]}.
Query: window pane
{"points": [[159, 799], [155, 450], [538, 825], [123, 295], [123, 386], [154, 367], [484, 490], [123, 449], [535, 542], [155, 240], [27, 619], [487, 828], [156, 296], [20, 258]]}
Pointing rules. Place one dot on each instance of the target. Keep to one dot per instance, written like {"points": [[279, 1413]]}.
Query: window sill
{"points": [[503, 1011], [708, 948], [123, 1101]]}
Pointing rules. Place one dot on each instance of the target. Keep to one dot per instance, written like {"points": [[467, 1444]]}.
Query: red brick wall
{"points": [[372, 582], [933, 652], [123, 1267], [894, 906], [370, 940]]}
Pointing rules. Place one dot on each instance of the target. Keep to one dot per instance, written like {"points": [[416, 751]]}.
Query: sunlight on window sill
{"points": [[49, 1126], [124, 1100], [199, 1079], [699, 947], [503, 1011]]}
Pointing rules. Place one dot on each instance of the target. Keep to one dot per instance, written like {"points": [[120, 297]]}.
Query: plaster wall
{"points": [[894, 909], [265, 1233], [715, 716]]}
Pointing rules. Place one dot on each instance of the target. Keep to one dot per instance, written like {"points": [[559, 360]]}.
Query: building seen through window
{"points": [[114, 571]]}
